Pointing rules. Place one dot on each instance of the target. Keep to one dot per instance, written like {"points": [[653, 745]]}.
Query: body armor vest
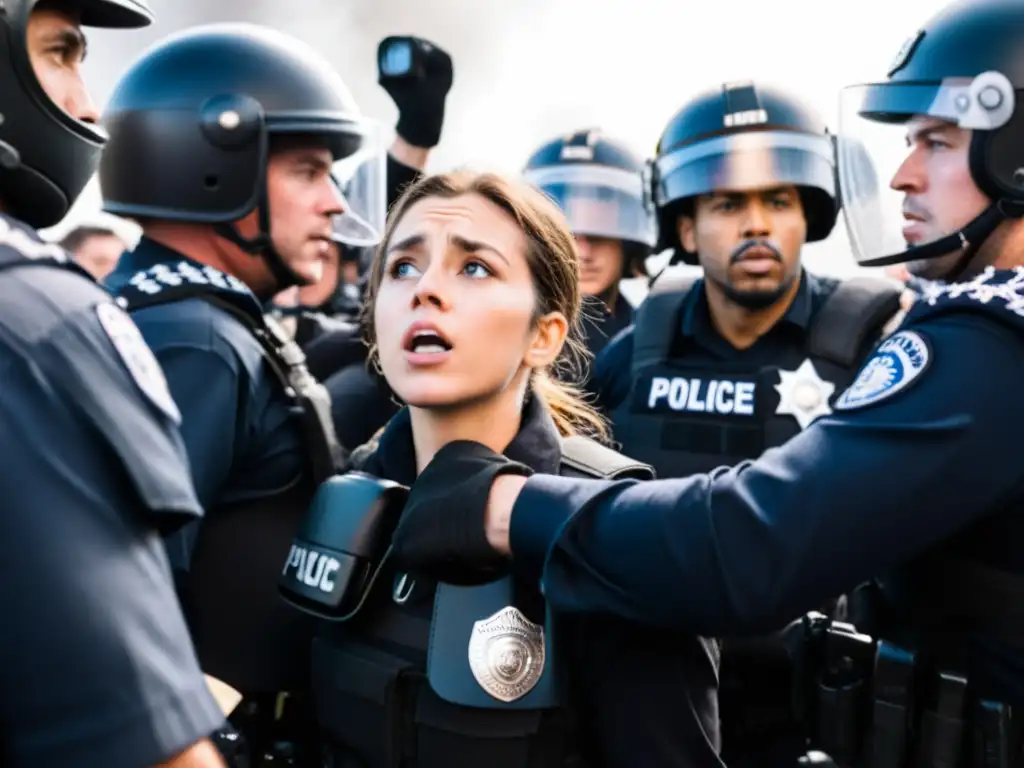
{"points": [[243, 633], [393, 688], [684, 419]]}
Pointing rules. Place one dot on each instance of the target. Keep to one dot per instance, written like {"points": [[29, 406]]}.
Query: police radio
{"points": [[342, 545]]}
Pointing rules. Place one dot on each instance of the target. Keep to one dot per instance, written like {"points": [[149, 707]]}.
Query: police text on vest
{"points": [[312, 568], [698, 396]]}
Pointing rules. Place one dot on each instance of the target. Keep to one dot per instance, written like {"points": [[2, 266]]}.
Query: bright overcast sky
{"points": [[527, 70]]}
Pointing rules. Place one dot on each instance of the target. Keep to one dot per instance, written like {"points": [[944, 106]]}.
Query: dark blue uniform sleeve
{"points": [[611, 380], [96, 664], [852, 496]]}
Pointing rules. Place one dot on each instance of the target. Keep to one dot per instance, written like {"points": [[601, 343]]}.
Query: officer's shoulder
{"points": [[993, 294], [585, 457], [619, 346]]}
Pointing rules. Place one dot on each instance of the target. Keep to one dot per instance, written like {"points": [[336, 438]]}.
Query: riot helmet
{"points": [[191, 125], [963, 69], [598, 183], [46, 155], [739, 137]]}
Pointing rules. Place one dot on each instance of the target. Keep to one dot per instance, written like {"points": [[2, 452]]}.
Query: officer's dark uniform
{"points": [[688, 401], [916, 475], [599, 185], [256, 425], [635, 697], [96, 667]]}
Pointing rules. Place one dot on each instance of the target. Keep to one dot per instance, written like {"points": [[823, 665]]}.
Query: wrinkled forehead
{"points": [[471, 216], [921, 125]]}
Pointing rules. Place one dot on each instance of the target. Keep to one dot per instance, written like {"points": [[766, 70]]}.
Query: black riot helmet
{"points": [[964, 67], [191, 126], [739, 137], [599, 185], [46, 155]]}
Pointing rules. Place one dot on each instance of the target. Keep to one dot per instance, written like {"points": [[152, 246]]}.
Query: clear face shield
{"points": [[884, 129], [598, 201], [361, 179]]}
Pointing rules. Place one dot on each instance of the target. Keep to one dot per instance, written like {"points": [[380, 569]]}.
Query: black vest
{"points": [[243, 632], [385, 697], [684, 420]]}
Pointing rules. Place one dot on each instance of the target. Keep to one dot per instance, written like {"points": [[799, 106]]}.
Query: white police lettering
{"points": [[695, 395], [137, 358], [159, 276], [898, 361], [27, 246], [1010, 292], [312, 568]]}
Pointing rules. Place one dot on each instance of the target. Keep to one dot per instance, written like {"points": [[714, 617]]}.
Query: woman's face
{"points": [[453, 315]]}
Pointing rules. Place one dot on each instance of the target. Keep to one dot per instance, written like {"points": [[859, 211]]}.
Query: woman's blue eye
{"points": [[402, 269], [479, 269]]}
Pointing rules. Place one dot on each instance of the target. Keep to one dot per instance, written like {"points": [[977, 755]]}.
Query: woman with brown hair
{"points": [[473, 299]]}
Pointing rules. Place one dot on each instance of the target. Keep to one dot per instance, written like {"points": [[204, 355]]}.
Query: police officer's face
{"points": [[99, 254], [454, 314], [748, 242], [318, 293], [302, 201], [940, 197], [56, 48], [600, 263]]}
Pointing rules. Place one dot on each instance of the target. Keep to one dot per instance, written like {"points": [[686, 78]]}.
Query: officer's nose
{"points": [[757, 222], [331, 200], [584, 246], [77, 101], [431, 287], [909, 177]]}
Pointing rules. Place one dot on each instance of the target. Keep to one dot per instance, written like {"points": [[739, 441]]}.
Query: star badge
{"points": [[803, 394]]}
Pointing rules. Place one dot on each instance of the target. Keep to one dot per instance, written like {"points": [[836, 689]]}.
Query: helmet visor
{"points": [[743, 162], [361, 179], [599, 201]]}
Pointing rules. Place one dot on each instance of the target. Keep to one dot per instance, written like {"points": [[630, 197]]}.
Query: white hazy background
{"points": [[528, 70]]}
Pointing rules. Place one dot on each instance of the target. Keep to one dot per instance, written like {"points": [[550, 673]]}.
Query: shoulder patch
{"points": [[897, 363], [138, 358]]}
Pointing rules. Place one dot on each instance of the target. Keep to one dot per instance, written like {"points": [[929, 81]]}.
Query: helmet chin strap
{"points": [[967, 240], [262, 245]]}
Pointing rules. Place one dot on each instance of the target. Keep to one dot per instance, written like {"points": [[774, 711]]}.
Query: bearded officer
{"points": [[598, 183], [915, 474], [234, 175], [716, 370], [97, 664]]}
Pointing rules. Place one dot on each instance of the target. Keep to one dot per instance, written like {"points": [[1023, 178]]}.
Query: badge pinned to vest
{"points": [[803, 394], [137, 358], [506, 654], [898, 362]]}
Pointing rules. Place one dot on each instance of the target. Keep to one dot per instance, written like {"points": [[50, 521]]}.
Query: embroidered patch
{"points": [[897, 363], [138, 358]]}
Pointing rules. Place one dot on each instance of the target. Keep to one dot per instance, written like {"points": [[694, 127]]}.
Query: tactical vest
{"points": [[394, 688], [243, 633], [683, 419]]}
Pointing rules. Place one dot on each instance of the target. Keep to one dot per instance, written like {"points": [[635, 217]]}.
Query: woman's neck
{"points": [[494, 422]]}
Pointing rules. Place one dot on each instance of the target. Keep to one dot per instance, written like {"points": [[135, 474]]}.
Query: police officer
{"points": [[96, 667], [228, 144], [915, 476], [599, 185], [718, 369]]}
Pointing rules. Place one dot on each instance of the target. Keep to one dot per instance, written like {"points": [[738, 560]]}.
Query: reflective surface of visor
{"points": [[599, 201], [361, 177], [884, 142], [746, 161]]}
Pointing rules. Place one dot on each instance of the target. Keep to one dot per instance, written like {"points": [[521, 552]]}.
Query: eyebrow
{"points": [[465, 244], [927, 131], [312, 159]]}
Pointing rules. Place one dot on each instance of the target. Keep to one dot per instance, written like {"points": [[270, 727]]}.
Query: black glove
{"points": [[441, 533], [417, 75]]}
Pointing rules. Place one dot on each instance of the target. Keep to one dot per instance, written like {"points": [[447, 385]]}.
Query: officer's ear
{"points": [[547, 341], [686, 226]]}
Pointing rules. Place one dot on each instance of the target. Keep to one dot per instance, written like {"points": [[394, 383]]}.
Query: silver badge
{"points": [[506, 654], [803, 394]]}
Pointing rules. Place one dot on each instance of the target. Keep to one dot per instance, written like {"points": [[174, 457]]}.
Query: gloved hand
{"points": [[420, 91], [441, 533]]}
